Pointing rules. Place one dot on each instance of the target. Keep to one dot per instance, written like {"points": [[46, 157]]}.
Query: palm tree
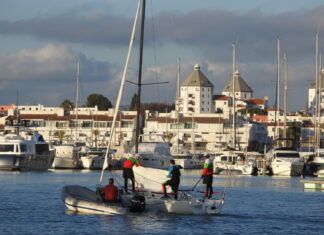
{"points": [[60, 135], [96, 134]]}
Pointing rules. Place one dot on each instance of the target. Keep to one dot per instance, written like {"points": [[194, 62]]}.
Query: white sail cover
{"points": [[150, 179]]}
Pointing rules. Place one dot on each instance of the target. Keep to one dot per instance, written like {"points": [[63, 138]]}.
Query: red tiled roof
{"points": [[224, 97], [54, 117], [256, 101], [187, 119]]}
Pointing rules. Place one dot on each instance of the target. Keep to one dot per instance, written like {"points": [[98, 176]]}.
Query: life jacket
{"points": [[111, 192], [130, 162], [208, 167], [174, 172]]}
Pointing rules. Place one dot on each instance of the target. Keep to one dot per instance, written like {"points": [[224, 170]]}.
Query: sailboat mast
{"points": [[139, 81], [277, 111], [178, 79], [77, 101], [234, 115], [178, 96], [319, 100], [316, 94], [285, 96], [120, 93]]}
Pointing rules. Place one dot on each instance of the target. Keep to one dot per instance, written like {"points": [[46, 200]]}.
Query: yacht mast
{"points": [[178, 96], [77, 101], [139, 81], [277, 111], [285, 98], [120, 93], [319, 100], [316, 95], [233, 90]]}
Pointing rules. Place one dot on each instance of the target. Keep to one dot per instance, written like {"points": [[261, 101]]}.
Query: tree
{"points": [[252, 111], [97, 99], [67, 104], [60, 135], [133, 103]]}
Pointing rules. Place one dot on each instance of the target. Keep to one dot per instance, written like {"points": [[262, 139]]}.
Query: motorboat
{"points": [[285, 161], [67, 157], [314, 163], [188, 161], [93, 158], [25, 153], [82, 199], [155, 154], [234, 163], [189, 202]]}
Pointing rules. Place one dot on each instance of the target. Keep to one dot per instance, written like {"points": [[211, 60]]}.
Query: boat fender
{"points": [[138, 203]]}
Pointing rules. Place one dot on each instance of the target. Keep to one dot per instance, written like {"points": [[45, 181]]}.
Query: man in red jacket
{"points": [[128, 170], [207, 175], [110, 192]]}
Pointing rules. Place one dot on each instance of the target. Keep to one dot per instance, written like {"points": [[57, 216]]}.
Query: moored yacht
{"points": [[29, 153], [67, 157], [155, 154], [233, 162], [285, 161]]}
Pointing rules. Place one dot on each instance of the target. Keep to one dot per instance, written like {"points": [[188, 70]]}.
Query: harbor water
{"points": [[30, 203]]}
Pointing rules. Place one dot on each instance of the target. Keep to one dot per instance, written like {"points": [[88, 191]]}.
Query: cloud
{"points": [[51, 62], [206, 35]]}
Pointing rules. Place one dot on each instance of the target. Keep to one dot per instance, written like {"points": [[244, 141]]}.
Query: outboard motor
{"points": [[137, 204]]}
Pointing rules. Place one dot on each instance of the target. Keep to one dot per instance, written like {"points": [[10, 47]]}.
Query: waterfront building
{"points": [[204, 132], [312, 94], [242, 90], [89, 125], [196, 94]]}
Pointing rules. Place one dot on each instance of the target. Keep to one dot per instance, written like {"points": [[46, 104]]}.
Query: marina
{"points": [[161, 117], [253, 205]]}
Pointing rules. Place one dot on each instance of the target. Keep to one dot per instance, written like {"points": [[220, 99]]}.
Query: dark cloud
{"points": [[208, 33]]}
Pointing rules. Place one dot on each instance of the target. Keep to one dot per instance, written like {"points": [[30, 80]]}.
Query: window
{"points": [[6, 148]]}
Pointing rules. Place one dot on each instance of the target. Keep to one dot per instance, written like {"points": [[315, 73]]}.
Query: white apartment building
{"points": [[196, 94], [242, 90], [203, 132], [312, 94], [88, 125]]}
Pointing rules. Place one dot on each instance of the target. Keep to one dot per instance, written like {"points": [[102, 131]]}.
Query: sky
{"points": [[41, 41]]}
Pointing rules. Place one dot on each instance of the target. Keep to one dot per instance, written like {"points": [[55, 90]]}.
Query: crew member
{"points": [[128, 170], [110, 192], [207, 175], [174, 174]]}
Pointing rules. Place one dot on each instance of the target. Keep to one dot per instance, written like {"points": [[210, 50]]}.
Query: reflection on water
{"points": [[30, 203]]}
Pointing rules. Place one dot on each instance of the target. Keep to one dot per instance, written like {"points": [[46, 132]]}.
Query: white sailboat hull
{"points": [[185, 207], [150, 180]]}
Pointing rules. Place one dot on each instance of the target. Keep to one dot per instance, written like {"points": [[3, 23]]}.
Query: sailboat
{"points": [[82, 199], [284, 159], [230, 159], [149, 180], [68, 156]]}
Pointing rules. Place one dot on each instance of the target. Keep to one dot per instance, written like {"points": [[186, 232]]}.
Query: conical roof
{"points": [[313, 84], [240, 84], [197, 78]]}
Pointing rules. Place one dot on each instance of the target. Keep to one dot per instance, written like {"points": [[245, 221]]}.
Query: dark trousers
{"points": [[128, 174], [208, 181]]}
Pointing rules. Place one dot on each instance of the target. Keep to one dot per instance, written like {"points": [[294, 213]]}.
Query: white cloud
{"points": [[50, 61]]}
